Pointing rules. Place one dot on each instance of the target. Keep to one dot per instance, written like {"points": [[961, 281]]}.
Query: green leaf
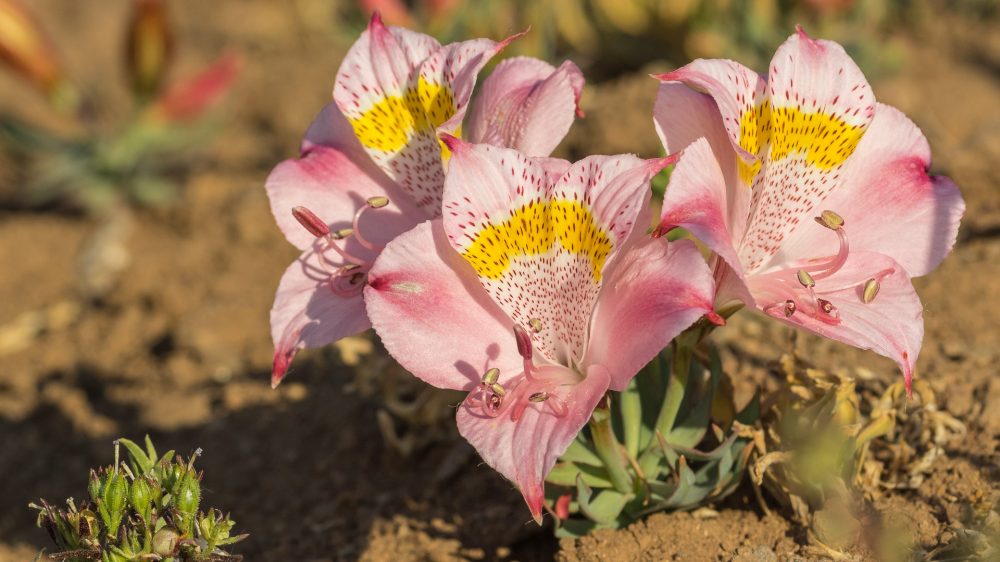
{"points": [[605, 508], [140, 460], [581, 453], [565, 474]]}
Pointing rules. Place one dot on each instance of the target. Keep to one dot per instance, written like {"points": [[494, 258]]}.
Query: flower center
{"points": [[799, 287], [349, 273], [535, 386]]}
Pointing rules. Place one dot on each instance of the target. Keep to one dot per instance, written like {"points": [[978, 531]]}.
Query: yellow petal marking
{"points": [[825, 139], [534, 229], [389, 124]]}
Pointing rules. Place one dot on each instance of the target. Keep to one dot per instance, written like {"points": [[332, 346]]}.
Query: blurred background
{"points": [[138, 260]]}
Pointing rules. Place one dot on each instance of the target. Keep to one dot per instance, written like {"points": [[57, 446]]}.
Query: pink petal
{"points": [[889, 203], [380, 63], [681, 117], [526, 104], [696, 199], [307, 313], [819, 107], [736, 90], [432, 314], [539, 249], [656, 291], [334, 186], [526, 450], [891, 325]]}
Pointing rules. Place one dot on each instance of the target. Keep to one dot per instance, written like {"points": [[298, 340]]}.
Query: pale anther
{"points": [[805, 279], [341, 234], [491, 376], [871, 289], [831, 220], [538, 397], [535, 324], [378, 202], [498, 389]]}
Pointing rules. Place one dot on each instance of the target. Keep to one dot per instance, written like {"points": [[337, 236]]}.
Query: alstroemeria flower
{"points": [[377, 144], [765, 156], [536, 291]]}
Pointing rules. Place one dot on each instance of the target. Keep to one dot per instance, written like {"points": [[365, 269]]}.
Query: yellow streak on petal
{"points": [[826, 139], [533, 230], [389, 124]]}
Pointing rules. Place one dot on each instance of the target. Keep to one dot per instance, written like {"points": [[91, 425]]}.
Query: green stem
{"points": [[631, 410], [675, 386], [608, 447]]}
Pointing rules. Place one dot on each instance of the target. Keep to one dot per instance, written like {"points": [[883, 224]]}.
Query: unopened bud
{"points": [[149, 46], [188, 493], [378, 202], [871, 289], [805, 279], [831, 220], [94, 486], [115, 498], [26, 48], [141, 496], [491, 376], [310, 222], [523, 342], [535, 324], [190, 98], [538, 397]]}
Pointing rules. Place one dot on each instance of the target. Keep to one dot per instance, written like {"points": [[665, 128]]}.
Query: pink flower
{"points": [[765, 156], [377, 142], [536, 291]]}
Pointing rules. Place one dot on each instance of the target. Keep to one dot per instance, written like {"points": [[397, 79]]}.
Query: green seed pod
{"points": [[165, 542], [188, 495], [140, 495], [115, 497]]}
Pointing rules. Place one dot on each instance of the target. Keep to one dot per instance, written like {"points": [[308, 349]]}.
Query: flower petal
{"points": [[738, 92], [307, 313], [526, 450], [433, 316], [890, 325], [889, 203], [541, 249], [526, 104], [818, 107], [334, 186], [656, 291]]}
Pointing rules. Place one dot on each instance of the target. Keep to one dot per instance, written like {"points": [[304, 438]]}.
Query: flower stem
{"points": [[631, 412], [608, 447], [674, 395]]}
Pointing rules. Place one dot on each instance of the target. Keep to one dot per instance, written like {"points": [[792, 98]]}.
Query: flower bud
{"points": [[190, 98], [26, 49], [149, 46], [115, 498], [94, 486], [165, 542]]}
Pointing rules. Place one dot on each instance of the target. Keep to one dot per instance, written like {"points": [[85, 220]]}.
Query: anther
{"points": [[498, 389], [523, 342], [790, 308], [349, 268], [341, 234], [538, 397], [491, 376], [310, 222], [805, 279], [378, 202], [826, 306], [871, 289], [831, 220], [535, 324]]}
